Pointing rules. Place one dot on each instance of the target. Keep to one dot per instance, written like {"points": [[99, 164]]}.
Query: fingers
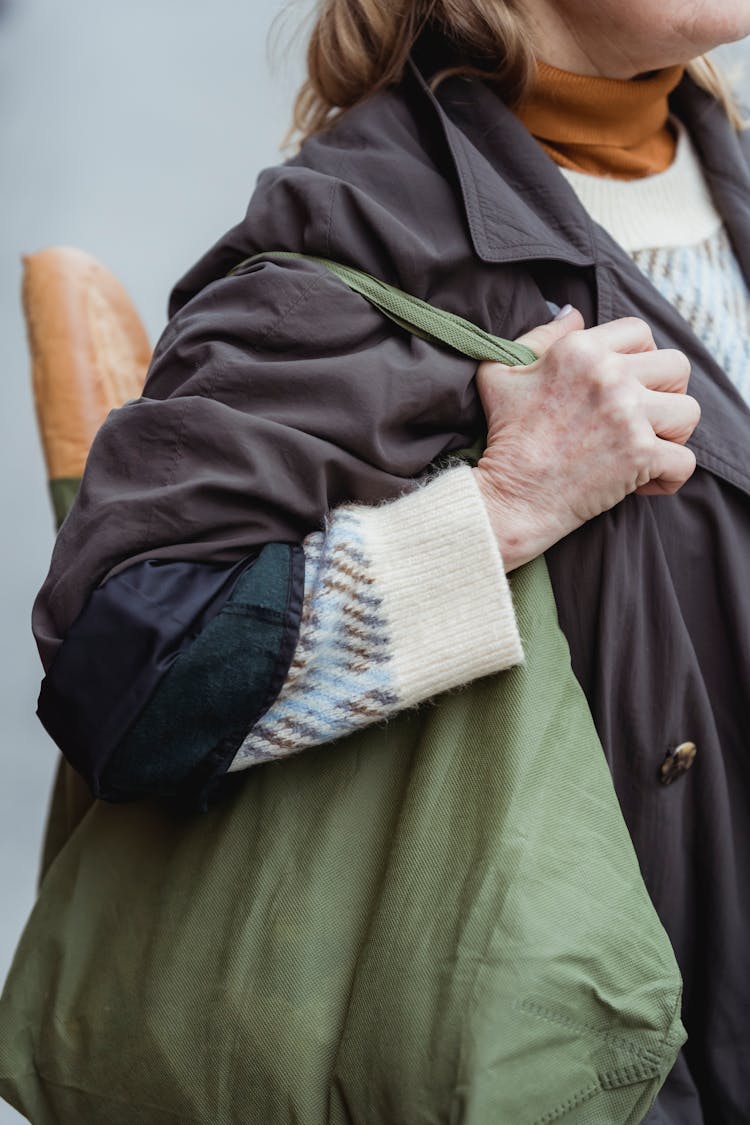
{"points": [[542, 338], [672, 416], [616, 373], [672, 465], [629, 334], [663, 370]]}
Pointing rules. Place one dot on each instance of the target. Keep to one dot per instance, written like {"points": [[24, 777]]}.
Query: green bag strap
{"points": [[416, 316]]}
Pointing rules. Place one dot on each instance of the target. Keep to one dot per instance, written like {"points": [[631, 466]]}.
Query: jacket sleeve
{"points": [[401, 602], [275, 396]]}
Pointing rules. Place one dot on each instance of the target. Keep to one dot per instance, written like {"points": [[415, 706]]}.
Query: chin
{"points": [[728, 24], [736, 35]]}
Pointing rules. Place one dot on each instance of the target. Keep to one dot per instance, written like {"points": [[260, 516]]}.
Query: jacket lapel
{"points": [[724, 157], [508, 185]]}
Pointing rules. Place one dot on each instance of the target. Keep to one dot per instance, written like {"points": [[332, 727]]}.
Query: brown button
{"points": [[677, 762]]}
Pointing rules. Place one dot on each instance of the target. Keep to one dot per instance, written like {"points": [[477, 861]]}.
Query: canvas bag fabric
{"points": [[440, 919]]}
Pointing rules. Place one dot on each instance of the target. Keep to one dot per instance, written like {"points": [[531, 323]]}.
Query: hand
{"points": [[602, 413]]}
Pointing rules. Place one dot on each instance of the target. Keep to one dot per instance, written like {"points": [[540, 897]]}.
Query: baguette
{"points": [[89, 351]]}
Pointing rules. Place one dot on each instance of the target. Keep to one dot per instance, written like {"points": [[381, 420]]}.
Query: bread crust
{"points": [[89, 351]]}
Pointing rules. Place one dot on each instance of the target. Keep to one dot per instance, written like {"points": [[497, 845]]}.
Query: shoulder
{"points": [[372, 190]]}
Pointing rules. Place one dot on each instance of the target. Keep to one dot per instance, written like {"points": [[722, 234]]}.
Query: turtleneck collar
{"points": [[603, 126]]}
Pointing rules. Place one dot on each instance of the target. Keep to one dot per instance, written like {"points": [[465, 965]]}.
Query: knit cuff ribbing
{"points": [[444, 590]]}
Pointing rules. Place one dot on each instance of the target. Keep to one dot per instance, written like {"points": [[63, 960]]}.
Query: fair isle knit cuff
{"points": [[402, 602]]}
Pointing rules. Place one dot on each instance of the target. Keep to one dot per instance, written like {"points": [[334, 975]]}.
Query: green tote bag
{"points": [[436, 920]]}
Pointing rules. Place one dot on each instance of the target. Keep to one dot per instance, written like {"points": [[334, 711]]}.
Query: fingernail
{"points": [[564, 311]]}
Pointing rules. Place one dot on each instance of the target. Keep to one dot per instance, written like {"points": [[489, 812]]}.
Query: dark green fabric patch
{"points": [[195, 721]]}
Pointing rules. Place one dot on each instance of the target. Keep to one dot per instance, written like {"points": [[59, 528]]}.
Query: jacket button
{"points": [[677, 762]]}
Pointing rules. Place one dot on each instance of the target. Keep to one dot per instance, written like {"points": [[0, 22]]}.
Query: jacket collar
{"points": [[519, 207], [513, 207]]}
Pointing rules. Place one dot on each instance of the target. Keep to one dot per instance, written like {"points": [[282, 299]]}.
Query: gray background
{"points": [[135, 131]]}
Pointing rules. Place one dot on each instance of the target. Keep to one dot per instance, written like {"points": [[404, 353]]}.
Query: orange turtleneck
{"points": [[603, 126]]}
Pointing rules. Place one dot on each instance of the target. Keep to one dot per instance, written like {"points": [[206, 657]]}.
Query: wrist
{"points": [[512, 527]]}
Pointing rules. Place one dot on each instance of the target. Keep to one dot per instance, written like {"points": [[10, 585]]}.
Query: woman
{"points": [[456, 197]]}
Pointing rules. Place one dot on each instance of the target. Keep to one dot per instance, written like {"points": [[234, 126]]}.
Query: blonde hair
{"points": [[707, 75], [358, 47]]}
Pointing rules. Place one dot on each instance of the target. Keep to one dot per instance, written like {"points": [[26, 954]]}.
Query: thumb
{"points": [[542, 338]]}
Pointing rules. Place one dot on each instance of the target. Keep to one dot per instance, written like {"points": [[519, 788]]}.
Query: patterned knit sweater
{"points": [[410, 599], [670, 226]]}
